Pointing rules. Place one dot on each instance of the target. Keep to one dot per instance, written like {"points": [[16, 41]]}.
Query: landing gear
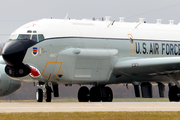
{"points": [[83, 94], [173, 95], [109, 95], [45, 91], [96, 94], [39, 95], [47, 95]]}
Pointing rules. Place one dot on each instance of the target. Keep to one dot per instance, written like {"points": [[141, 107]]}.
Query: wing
{"points": [[147, 66]]}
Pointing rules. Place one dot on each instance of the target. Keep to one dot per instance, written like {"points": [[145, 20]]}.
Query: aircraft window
{"points": [[34, 31], [23, 36], [34, 37], [13, 36], [29, 31], [40, 37]]}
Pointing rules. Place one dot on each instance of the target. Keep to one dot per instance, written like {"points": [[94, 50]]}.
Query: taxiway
{"points": [[87, 107]]}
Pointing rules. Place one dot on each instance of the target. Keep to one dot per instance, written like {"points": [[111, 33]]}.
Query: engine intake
{"points": [[17, 71]]}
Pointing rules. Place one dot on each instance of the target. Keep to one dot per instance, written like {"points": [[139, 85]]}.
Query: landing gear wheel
{"points": [[173, 94], [95, 95], [39, 95], [109, 95], [83, 94], [48, 94]]}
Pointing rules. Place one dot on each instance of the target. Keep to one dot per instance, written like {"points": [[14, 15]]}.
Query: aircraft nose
{"points": [[14, 51]]}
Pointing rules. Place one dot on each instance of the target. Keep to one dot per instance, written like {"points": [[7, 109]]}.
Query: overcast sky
{"points": [[15, 13]]}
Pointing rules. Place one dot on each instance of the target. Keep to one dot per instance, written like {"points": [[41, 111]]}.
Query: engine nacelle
{"points": [[7, 85], [17, 71]]}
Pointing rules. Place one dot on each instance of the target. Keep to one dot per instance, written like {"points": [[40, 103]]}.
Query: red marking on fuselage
{"points": [[34, 72], [33, 25]]}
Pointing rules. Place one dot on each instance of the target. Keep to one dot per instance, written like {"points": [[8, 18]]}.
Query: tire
{"points": [[48, 94], [173, 91], [95, 95], [109, 95], [39, 95], [83, 94]]}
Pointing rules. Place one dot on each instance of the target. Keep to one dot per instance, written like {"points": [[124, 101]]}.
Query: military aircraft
{"points": [[93, 52]]}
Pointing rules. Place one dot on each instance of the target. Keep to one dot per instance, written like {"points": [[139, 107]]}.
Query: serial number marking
{"points": [[53, 55]]}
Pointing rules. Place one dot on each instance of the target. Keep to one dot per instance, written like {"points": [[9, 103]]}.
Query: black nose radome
{"points": [[13, 54], [14, 51]]}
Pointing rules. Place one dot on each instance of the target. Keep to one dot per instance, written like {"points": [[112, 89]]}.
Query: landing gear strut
{"points": [[95, 94]]}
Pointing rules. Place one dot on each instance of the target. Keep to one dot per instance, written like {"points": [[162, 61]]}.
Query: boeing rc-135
{"points": [[92, 52]]}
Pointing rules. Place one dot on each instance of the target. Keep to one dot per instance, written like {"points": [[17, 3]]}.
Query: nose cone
{"points": [[14, 51]]}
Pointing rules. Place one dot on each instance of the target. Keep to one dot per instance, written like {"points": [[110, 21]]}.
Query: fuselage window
{"points": [[34, 37], [40, 37], [24, 36]]}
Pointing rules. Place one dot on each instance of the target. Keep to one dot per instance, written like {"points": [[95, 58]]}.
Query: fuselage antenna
{"points": [[141, 20], [66, 16], [113, 22]]}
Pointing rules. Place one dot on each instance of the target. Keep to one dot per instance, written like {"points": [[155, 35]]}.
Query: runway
{"points": [[8, 107]]}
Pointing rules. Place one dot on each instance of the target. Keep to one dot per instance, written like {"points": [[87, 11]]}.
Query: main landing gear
{"points": [[95, 94], [45, 91], [174, 93]]}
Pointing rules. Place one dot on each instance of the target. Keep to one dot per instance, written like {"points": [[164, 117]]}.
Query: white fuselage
{"points": [[86, 51]]}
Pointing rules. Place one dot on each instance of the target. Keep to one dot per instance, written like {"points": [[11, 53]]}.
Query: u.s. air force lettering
{"points": [[157, 48]]}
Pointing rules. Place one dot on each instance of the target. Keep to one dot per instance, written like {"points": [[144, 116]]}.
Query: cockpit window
{"points": [[40, 37], [34, 37], [24, 36], [13, 36]]}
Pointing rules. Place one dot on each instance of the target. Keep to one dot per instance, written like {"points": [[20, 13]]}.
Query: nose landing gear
{"points": [[39, 95], [45, 91]]}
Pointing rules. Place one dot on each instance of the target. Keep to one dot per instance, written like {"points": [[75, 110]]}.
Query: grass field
{"points": [[92, 116]]}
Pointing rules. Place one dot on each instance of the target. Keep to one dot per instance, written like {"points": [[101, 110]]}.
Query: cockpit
{"points": [[30, 35]]}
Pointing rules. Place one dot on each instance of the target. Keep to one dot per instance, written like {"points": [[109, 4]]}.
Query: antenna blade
{"points": [[66, 16]]}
